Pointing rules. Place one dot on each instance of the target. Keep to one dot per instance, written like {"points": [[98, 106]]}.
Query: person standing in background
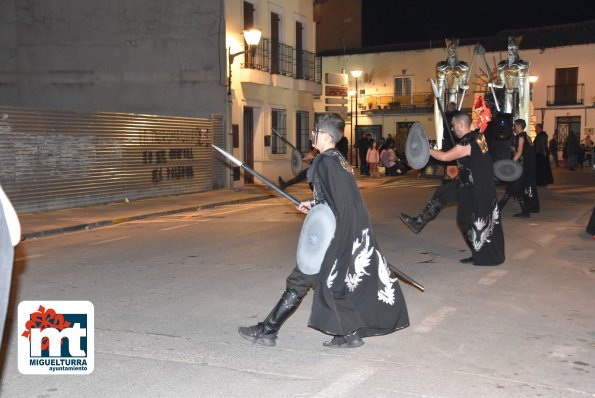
{"points": [[554, 147], [372, 157], [543, 169]]}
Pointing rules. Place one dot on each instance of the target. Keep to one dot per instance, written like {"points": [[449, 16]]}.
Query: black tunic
{"points": [[354, 289], [530, 198], [478, 215], [543, 169]]}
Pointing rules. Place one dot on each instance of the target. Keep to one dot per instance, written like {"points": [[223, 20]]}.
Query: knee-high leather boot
{"points": [[430, 212], [265, 332], [525, 210]]}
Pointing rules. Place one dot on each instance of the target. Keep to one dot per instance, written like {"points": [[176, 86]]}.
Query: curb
{"points": [[115, 221]]}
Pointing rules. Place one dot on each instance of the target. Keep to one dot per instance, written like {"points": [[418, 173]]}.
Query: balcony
{"points": [[280, 59], [564, 95], [420, 102]]}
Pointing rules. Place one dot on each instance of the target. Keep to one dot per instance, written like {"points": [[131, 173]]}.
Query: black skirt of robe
{"points": [[486, 235], [354, 290]]}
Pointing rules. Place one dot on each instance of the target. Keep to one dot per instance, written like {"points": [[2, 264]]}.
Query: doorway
{"points": [[249, 142], [567, 124]]}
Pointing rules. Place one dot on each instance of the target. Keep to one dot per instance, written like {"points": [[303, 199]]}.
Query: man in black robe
{"points": [[543, 169], [523, 189], [354, 293], [478, 216]]}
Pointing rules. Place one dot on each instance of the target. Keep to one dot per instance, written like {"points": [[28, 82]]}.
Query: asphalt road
{"points": [[170, 292]]}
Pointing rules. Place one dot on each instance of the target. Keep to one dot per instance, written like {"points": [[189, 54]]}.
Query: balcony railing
{"points": [[568, 94], [391, 101], [281, 59]]}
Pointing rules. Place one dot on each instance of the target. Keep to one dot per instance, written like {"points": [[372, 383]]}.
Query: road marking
{"points": [[29, 257], [109, 240], [492, 277], [346, 383], [434, 319], [523, 254], [175, 226], [545, 239]]}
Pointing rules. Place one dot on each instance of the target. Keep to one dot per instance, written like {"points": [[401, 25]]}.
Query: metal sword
{"points": [[262, 178], [444, 121], [283, 138], [398, 273]]}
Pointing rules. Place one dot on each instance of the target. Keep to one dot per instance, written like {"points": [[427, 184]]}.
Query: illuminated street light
{"points": [[351, 94], [356, 73], [252, 38]]}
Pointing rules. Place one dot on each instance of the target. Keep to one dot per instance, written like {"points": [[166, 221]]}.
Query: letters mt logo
{"points": [[56, 337]]}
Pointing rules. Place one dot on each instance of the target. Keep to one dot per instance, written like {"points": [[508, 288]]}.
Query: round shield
{"points": [[317, 233], [507, 170], [296, 162], [417, 147]]}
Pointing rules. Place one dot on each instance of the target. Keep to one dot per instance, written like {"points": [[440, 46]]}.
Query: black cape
{"points": [[485, 235], [543, 169], [354, 290]]}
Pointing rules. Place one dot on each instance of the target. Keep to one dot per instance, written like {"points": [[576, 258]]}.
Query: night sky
{"points": [[396, 21]]}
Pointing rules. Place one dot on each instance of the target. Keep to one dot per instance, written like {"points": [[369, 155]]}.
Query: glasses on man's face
{"points": [[314, 133]]}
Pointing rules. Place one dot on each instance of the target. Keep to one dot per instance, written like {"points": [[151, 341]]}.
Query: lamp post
{"points": [[252, 38], [351, 94], [356, 73]]}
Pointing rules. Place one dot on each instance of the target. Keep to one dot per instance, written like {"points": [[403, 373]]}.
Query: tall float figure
{"points": [[513, 76], [451, 77]]}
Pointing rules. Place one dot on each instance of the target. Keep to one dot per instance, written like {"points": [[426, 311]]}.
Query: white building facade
{"points": [[394, 90], [271, 93]]}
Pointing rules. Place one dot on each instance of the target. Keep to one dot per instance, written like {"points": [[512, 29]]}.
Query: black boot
{"points": [[525, 211], [430, 212], [265, 332], [351, 340], [503, 201], [282, 184]]}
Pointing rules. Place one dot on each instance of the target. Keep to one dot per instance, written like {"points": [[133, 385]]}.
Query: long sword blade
{"points": [[444, 121], [398, 273], [283, 138], [405, 278], [257, 175]]}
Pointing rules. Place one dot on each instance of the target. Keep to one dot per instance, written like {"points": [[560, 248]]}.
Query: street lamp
{"points": [[356, 73], [351, 94], [252, 38]]}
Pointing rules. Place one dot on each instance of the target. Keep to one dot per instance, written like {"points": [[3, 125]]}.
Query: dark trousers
{"points": [[447, 193], [302, 175], [464, 209], [300, 282]]}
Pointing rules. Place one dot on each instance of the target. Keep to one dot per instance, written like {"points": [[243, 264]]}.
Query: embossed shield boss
{"points": [[507, 170], [317, 233], [296, 162], [417, 146]]}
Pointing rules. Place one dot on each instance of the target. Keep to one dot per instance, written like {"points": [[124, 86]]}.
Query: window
{"points": [[275, 43], [279, 124], [403, 85], [249, 24], [248, 15], [566, 86], [299, 50], [302, 122]]}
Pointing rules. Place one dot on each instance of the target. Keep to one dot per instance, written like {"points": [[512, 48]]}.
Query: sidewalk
{"points": [[43, 224]]}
